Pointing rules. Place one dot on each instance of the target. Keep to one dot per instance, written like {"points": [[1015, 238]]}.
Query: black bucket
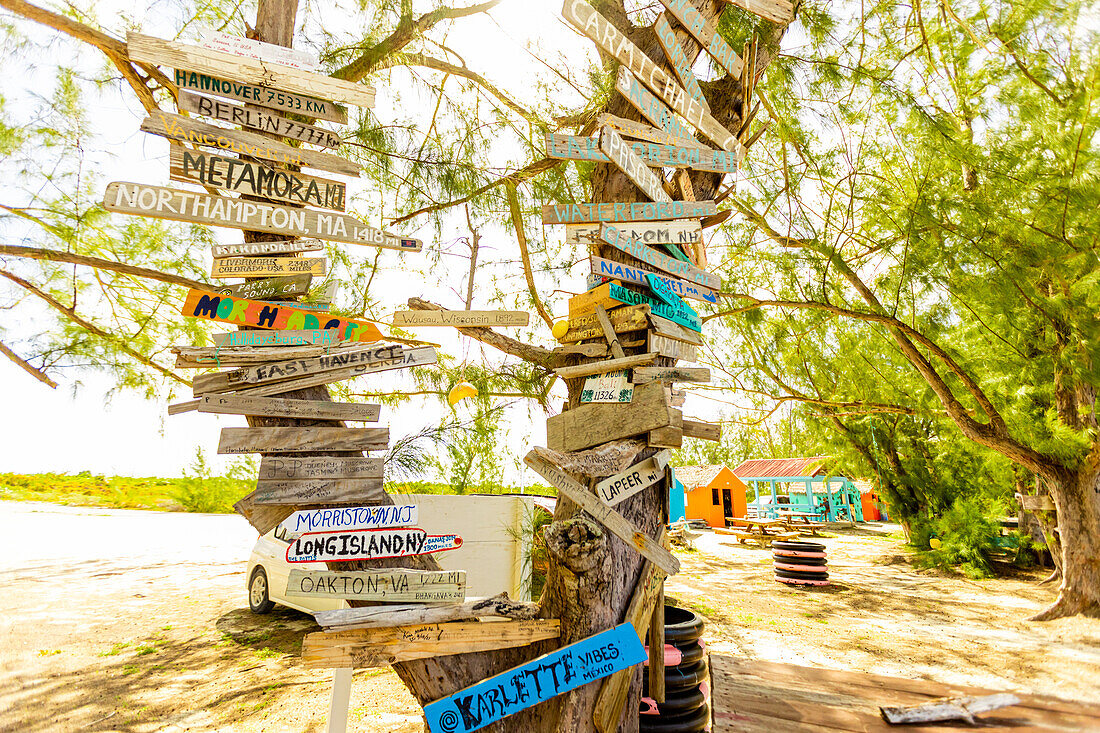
{"points": [[685, 708]]}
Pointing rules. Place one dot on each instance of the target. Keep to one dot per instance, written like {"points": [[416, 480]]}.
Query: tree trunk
{"points": [[1077, 501]]}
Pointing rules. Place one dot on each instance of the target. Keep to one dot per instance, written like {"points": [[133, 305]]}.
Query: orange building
{"points": [[712, 493]]}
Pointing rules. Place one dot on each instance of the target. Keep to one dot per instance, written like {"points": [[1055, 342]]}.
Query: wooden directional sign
{"points": [[612, 294], [300, 409], [257, 50], [181, 55], [318, 491], [263, 96], [663, 291], [671, 348], [347, 519], [533, 682], [620, 240], [222, 211], [674, 330], [262, 266], [619, 153], [368, 544], [702, 430], [618, 271], [258, 249], [678, 60], [704, 32], [638, 211], [383, 586], [197, 132], [301, 440], [623, 320], [319, 337], [665, 155], [605, 366], [589, 22], [611, 387], [623, 485], [683, 232], [257, 119], [238, 311], [641, 131], [654, 110], [381, 647], [642, 375], [254, 179], [319, 467], [777, 11], [272, 287], [590, 425], [461, 319], [605, 515]]}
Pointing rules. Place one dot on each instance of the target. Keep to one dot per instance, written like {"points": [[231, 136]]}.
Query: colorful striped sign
{"points": [[618, 271], [227, 309]]}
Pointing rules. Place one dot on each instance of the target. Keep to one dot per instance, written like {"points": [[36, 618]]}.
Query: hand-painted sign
{"points": [[682, 314], [666, 155], [257, 50], [683, 232], [536, 681], [301, 409], [663, 291], [347, 519], [378, 357], [254, 179], [368, 544], [610, 387], [256, 118], [634, 479], [319, 491], [313, 337], [589, 22], [386, 586], [222, 211], [263, 96], [619, 240], [653, 109], [227, 309], [704, 31], [271, 287], [461, 319], [301, 440], [777, 11], [619, 153], [294, 468], [623, 320], [672, 348], [257, 249], [618, 271], [261, 266], [620, 211], [678, 59]]}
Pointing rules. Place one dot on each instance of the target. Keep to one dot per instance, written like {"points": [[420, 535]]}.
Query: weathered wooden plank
{"points": [[239, 311], [609, 334], [382, 586], [182, 55], [671, 436], [275, 407], [615, 523], [642, 131], [589, 425], [618, 271], [408, 358], [588, 21], [301, 440], [665, 327], [270, 339], [623, 320], [620, 240], [679, 62], [498, 606], [257, 50], [316, 467], [589, 350], [623, 157], [460, 319], [654, 153], [483, 703], [256, 179], [671, 374], [272, 287], [223, 211], [261, 95], [267, 266], [667, 233], [263, 518], [587, 213], [705, 32], [258, 249], [361, 648], [672, 348], [702, 430], [352, 518], [257, 119], [197, 132], [682, 314], [654, 110], [638, 477], [319, 491], [777, 11], [368, 544], [602, 367]]}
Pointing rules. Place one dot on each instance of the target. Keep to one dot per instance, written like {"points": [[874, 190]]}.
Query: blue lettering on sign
{"points": [[536, 681]]}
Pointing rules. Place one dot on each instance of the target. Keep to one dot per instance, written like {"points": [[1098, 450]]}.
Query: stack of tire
{"points": [[800, 563], [685, 708]]}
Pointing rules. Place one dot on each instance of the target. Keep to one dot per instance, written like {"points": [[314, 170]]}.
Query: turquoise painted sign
{"points": [[536, 681], [663, 291], [618, 271], [683, 314]]}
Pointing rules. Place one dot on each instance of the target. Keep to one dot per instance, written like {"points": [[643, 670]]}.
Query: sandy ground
{"points": [[116, 620]]}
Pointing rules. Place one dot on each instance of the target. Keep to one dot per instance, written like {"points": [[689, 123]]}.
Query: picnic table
{"points": [[800, 521], [762, 531]]}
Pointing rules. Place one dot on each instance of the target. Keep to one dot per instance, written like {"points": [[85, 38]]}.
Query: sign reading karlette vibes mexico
{"points": [[227, 309]]}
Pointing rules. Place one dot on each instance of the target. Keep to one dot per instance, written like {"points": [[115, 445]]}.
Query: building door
{"points": [[727, 503]]}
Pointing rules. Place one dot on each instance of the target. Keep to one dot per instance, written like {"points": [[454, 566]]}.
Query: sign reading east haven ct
{"points": [[536, 681], [352, 518], [387, 586], [368, 544], [227, 309]]}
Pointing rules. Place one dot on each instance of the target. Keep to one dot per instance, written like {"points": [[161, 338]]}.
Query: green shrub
{"points": [[967, 536], [199, 491]]}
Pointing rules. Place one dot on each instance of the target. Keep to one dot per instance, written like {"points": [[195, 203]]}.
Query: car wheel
{"points": [[257, 593]]}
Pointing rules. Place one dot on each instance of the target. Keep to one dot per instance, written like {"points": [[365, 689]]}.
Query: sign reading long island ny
{"points": [[368, 544]]}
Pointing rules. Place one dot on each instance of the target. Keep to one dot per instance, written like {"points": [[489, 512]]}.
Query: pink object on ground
{"points": [[652, 709], [673, 656], [796, 553], [796, 581], [802, 568]]}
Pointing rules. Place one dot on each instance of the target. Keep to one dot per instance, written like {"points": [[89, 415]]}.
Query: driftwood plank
{"points": [[653, 110], [623, 320], [379, 616], [300, 440], [680, 64], [616, 523], [621, 241], [604, 460], [320, 467], [705, 32], [276, 407], [661, 152], [460, 319], [182, 55], [256, 249], [268, 288], [702, 430], [257, 119], [672, 330], [411, 357], [383, 586], [644, 375], [228, 267], [777, 11], [603, 367], [622, 155], [642, 131], [265, 97], [263, 518], [590, 425], [319, 491], [671, 348], [587, 213], [638, 477], [277, 371], [948, 708]]}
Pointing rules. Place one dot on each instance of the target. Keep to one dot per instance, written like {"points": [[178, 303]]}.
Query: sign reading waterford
{"points": [[368, 544], [536, 681], [621, 211]]}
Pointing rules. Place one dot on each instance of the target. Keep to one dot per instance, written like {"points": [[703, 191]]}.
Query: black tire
{"points": [[258, 599], [690, 653], [793, 560], [799, 575], [686, 723], [799, 546], [682, 626], [679, 678], [678, 702]]}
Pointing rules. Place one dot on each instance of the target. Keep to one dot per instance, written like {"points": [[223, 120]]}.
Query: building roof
{"points": [[692, 477], [864, 486], [781, 467]]}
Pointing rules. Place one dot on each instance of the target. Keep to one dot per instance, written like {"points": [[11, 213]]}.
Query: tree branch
{"points": [[51, 255], [27, 366], [521, 237]]}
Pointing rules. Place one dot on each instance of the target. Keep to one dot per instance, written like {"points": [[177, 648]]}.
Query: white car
{"points": [[268, 572]]}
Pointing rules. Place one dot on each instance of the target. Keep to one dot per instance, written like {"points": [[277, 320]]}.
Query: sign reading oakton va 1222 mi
{"points": [[368, 544]]}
